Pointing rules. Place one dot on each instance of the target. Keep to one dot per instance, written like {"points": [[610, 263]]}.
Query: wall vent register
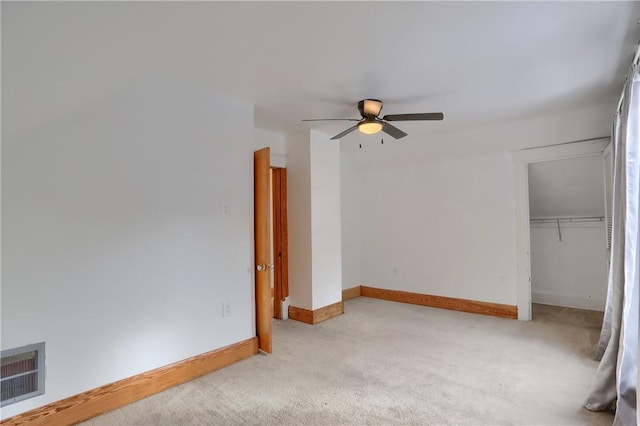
{"points": [[22, 373], [608, 189]]}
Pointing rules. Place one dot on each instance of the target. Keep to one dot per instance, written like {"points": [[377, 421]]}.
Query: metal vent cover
{"points": [[22, 373], [608, 193]]}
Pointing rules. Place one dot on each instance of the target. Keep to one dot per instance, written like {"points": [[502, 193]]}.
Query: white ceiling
{"points": [[568, 187], [479, 62]]}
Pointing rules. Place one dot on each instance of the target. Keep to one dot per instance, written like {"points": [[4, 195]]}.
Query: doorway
{"points": [[279, 241], [521, 161], [567, 235]]}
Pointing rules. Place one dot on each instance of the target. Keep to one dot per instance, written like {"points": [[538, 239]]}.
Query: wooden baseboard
{"points": [[351, 293], [328, 312], [114, 395], [300, 314], [464, 305], [318, 315]]}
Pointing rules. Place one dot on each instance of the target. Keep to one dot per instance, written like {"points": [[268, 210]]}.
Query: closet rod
{"points": [[568, 219]]}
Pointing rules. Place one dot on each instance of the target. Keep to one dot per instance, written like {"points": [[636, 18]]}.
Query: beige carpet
{"points": [[391, 363]]}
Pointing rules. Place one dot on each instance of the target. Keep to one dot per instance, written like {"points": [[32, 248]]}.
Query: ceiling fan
{"points": [[370, 123]]}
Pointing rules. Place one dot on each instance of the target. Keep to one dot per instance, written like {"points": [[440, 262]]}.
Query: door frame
{"points": [[280, 239], [521, 160]]}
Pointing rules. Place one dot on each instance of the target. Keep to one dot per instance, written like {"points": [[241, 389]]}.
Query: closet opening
{"points": [[568, 218]]}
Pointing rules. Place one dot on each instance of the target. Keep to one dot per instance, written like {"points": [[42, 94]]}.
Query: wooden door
{"points": [[262, 225]]}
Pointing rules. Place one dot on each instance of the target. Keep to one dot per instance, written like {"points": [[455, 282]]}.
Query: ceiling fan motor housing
{"points": [[370, 108]]}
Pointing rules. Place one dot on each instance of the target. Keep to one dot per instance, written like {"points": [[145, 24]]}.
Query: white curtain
{"points": [[616, 378]]}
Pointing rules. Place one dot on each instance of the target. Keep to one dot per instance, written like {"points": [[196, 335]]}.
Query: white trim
{"points": [[521, 160], [278, 160]]}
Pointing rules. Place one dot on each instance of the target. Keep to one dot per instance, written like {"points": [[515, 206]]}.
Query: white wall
{"points": [[276, 142], [325, 220], [350, 220], [299, 218], [315, 260], [115, 249], [567, 187], [571, 272], [444, 228]]}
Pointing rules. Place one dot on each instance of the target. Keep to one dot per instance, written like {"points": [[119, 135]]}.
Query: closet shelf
{"points": [[576, 219]]}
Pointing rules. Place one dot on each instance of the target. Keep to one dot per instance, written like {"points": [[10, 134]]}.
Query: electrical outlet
{"points": [[226, 309]]}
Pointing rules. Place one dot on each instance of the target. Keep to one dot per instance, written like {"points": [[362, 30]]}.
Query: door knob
{"points": [[264, 267]]}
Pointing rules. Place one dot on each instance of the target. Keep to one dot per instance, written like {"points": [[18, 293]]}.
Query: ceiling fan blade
{"points": [[414, 117], [346, 132], [333, 119], [393, 131]]}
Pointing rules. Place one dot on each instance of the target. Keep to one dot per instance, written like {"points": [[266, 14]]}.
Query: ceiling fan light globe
{"points": [[370, 127]]}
